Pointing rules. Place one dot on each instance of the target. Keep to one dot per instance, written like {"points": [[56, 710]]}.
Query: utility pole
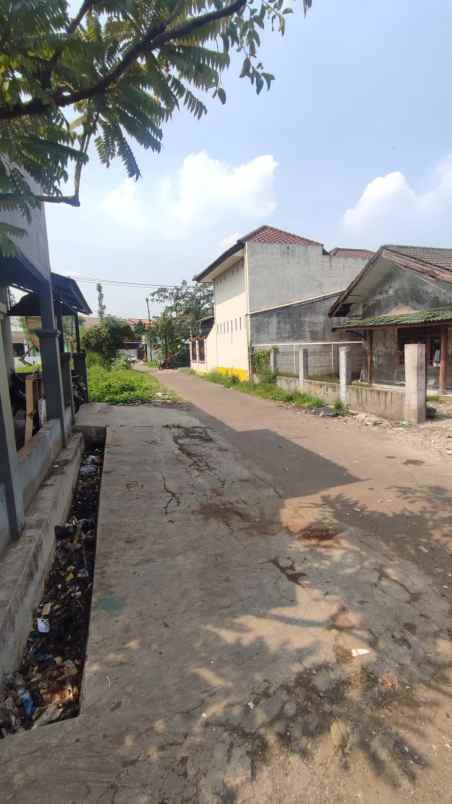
{"points": [[100, 301], [148, 336]]}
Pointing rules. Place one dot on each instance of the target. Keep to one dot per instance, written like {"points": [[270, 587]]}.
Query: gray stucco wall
{"points": [[402, 290], [34, 244], [299, 322], [405, 288], [281, 274]]}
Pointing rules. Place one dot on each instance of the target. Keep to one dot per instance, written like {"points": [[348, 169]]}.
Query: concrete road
{"points": [[271, 616]]}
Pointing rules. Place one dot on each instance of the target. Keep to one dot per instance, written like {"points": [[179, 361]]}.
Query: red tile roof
{"points": [[264, 234], [269, 234], [352, 252]]}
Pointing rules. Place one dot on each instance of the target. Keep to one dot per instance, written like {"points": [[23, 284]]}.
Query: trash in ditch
{"points": [[43, 625], [359, 652], [26, 701], [87, 470], [46, 687]]}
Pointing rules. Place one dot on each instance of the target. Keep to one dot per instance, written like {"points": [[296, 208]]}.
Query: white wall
{"points": [[280, 274], [230, 326]]}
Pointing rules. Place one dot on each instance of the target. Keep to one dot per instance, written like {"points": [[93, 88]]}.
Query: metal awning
{"points": [[67, 297], [67, 291], [29, 305], [417, 318]]}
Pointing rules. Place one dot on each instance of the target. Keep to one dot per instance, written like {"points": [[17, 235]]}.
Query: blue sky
{"points": [[351, 146]]}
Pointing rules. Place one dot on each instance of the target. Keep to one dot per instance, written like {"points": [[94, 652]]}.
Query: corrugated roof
{"points": [[441, 257], [419, 317], [363, 253]]}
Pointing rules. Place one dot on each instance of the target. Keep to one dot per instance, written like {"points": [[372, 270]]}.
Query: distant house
{"points": [[273, 288], [403, 295]]}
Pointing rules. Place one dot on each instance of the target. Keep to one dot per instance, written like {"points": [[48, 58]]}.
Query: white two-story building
{"points": [[274, 287]]}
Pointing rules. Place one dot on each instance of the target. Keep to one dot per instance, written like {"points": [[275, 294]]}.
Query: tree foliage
{"points": [[106, 338], [113, 74], [186, 304], [139, 329]]}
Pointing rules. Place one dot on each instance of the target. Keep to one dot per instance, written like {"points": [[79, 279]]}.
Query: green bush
{"points": [[28, 368], [120, 386], [264, 390], [121, 362], [94, 359]]}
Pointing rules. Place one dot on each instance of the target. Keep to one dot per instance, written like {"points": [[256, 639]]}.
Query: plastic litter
{"points": [[47, 687], [88, 471], [26, 701], [43, 625], [359, 652]]}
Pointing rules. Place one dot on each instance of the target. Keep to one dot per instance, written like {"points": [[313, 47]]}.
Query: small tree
{"points": [[106, 338], [187, 304], [139, 329]]}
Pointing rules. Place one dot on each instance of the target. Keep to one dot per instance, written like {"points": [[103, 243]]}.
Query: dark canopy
{"points": [[67, 295]]}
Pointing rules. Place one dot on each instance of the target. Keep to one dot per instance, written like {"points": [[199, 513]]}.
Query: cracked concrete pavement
{"points": [[271, 616]]}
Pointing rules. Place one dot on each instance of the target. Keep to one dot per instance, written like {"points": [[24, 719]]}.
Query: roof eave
{"points": [[211, 271]]}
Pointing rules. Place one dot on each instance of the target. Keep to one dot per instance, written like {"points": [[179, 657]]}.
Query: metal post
{"points": [[9, 464], [77, 332], [370, 357], [443, 360], [50, 356]]}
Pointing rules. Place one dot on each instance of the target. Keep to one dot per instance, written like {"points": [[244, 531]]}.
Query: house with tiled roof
{"points": [[272, 287], [403, 295]]}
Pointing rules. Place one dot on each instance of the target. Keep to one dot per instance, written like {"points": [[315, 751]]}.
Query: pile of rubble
{"points": [[46, 687]]}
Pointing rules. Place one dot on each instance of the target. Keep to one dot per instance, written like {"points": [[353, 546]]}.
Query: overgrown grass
{"points": [[265, 390], [121, 386], [28, 368]]}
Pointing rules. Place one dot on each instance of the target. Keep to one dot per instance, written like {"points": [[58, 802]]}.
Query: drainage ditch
{"points": [[46, 688]]}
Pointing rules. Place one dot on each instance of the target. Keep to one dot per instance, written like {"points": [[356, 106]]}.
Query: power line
{"points": [[119, 283]]}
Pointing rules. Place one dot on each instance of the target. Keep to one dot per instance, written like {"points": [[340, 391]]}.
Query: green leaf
{"points": [[221, 94]]}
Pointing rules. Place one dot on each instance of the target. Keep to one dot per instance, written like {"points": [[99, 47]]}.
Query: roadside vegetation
{"points": [[120, 386], [28, 368], [264, 390]]}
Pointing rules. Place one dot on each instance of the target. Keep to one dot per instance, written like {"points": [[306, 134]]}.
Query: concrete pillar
{"points": [[345, 371], [67, 383], [415, 387], [9, 465], [303, 366], [50, 358], [443, 368], [273, 361]]}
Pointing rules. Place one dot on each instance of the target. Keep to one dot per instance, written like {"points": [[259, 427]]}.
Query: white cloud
{"points": [[391, 210], [124, 205], [204, 193]]}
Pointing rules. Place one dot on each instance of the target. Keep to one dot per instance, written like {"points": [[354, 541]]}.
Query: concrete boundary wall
{"points": [[25, 564], [385, 402]]}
